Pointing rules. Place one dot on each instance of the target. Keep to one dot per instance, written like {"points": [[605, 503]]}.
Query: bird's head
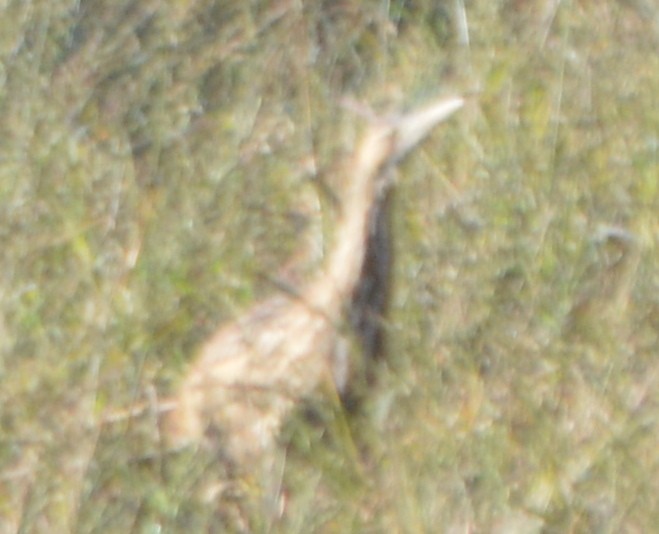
{"points": [[389, 140], [411, 129]]}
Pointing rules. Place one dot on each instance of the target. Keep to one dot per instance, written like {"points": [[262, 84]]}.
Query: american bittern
{"points": [[252, 372], [601, 307]]}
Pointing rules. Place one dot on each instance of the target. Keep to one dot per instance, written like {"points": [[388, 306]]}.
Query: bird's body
{"points": [[252, 372], [240, 388]]}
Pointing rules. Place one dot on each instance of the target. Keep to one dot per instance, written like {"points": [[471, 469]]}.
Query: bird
{"points": [[369, 303], [253, 372], [601, 308]]}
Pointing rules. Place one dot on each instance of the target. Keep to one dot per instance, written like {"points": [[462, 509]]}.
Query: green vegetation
{"points": [[158, 163]]}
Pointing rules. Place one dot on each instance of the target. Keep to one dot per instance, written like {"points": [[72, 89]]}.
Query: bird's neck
{"points": [[338, 279]]}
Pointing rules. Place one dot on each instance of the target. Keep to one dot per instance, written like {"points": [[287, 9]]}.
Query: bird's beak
{"points": [[412, 128]]}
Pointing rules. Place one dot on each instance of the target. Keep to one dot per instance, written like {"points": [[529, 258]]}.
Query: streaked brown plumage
{"points": [[367, 309], [252, 372], [371, 296]]}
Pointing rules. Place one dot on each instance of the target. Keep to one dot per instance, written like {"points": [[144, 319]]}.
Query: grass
{"points": [[157, 162]]}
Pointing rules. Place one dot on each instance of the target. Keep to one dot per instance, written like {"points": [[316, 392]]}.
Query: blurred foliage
{"points": [[161, 162]]}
